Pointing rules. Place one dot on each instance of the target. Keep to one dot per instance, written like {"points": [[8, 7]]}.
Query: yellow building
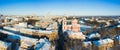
{"points": [[5, 45]]}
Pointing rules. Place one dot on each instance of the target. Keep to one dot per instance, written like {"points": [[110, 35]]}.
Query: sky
{"points": [[60, 7]]}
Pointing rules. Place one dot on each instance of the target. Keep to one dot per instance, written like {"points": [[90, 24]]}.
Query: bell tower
{"points": [[64, 27]]}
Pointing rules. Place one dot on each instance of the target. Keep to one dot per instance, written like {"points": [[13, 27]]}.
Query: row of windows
{"points": [[1, 48], [71, 27]]}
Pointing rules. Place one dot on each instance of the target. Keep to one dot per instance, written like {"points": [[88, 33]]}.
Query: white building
{"points": [[74, 35]]}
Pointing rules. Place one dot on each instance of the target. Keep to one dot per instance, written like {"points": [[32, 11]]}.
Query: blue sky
{"points": [[60, 7]]}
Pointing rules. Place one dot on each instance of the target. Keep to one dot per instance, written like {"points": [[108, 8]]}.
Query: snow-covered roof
{"points": [[85, 26], [87, 19], [39, 46], [93, 35], [24, 38], [26, 29], [6, 32], [97, 43], [87, 43], [27, 43], [45, 31], [13, 37], [74, 35], [109, 40], [117, 37], [103, 42], [118, 21], [44, 44], [40, 31], [81, 21], [24, 24], [42, 40], [10, 28], [118, 26], [71, 32]]}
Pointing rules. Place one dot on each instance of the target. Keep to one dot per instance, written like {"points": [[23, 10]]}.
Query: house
{"points": [[103, 44], [74, 35], [27, 42], [5, 45]]}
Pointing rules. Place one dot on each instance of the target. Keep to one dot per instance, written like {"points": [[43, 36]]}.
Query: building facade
{"points": [[70, 25]]}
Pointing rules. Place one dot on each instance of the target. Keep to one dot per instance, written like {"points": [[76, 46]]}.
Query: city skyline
{"points": [[60, 7]]}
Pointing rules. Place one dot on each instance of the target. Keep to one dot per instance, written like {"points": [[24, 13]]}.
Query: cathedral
{"points": [[71, 25]]}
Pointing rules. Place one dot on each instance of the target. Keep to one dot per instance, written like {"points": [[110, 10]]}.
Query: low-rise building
{"points": [[27, 31], [117, 40], [74, 35], [22, 25], [11, 28], [27, 42], [103, 44], [5, 45]]}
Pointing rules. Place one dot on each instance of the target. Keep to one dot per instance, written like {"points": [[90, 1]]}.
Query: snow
{"points": [[40, 31], [23, 38], [24, 24], [27, 43], [93, 35], [87, 43], [6, 32], [10, 28], [43, 44], [85, 26], [81, 21], [118, 21], [13, 37], [39, 46], [87, 19], [117, 37], [118, 26], [45, 31], [103, 42], [74, 35]]}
